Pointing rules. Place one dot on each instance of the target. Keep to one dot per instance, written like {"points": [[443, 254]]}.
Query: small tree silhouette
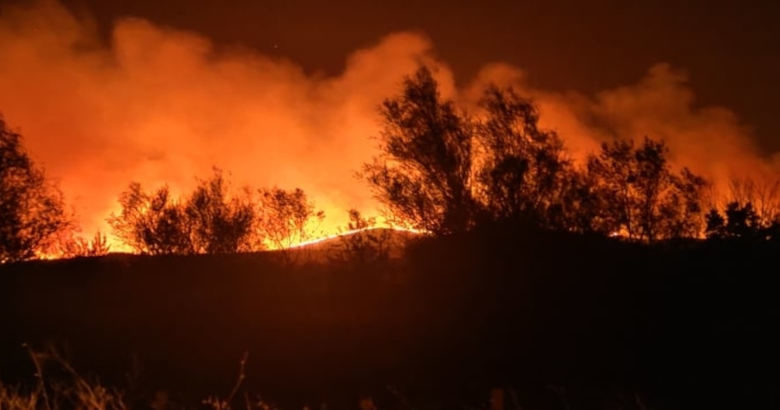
{"points": [[207, 222], [31, 209], [78, 246], [681, 211], [219, 224], [152, 223], [762, 194], [580, 207], [424, 172], [523, 168], [752, 211], [286, 218], [741, 221], [642, 197]]}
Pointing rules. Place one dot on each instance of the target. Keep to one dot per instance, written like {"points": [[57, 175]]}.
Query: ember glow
{"points": [[163, 106], [354, 232]]}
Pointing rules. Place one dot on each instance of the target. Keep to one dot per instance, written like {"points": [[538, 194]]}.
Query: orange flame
{"points": [[159, 105]]}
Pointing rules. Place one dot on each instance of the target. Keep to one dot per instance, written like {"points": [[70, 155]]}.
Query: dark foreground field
{"points": [[558, 321]]}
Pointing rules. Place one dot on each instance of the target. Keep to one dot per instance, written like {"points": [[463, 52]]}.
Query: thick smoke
{"points": [[158, 105], [661, 105]]}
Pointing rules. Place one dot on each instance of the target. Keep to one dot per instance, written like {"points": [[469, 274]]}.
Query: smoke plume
{"points": [[159, 105]]}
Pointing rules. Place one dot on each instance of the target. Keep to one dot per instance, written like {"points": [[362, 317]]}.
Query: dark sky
{"points": [[729, 48]]}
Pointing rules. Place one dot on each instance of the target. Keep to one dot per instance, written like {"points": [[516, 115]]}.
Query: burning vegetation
{"points": [[441, 170], [544, 249]]}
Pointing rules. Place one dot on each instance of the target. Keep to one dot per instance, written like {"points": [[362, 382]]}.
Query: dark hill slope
{"points": [[686, 324]]}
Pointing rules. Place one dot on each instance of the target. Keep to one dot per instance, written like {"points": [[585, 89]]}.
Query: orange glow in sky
{"points": [[163, 106]]}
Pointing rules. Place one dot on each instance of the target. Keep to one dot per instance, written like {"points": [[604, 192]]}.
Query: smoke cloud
{"points": [[158, 105]]}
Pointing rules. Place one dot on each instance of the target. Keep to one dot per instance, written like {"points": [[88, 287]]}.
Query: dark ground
{"points": [[559, 321]]}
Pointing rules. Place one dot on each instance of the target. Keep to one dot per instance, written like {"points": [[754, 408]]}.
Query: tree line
{"points": [[34, 220], [209, 220], [440, 169], [445, 170]]}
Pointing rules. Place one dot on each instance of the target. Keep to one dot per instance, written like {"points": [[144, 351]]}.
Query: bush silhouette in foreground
{"points": [[31, 208]]}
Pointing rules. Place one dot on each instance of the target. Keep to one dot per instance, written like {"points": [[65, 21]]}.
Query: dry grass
{"points": [[70, 392], [76, 392]]}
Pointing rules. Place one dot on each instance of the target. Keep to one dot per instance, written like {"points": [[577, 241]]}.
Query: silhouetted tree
{"points": [[152, 223], [643, 198], [523, 168], [424, 172], [219, 224], [31, 208], [716, 225], [207, 222], [443, 171], [742, 222], [580, 207], [752, 211], [78, 246], [681, 208], [286, 218], [762, 194]]}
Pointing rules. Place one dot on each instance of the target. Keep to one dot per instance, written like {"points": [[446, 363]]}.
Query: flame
{"points": [[163, 106], [353, 232]]}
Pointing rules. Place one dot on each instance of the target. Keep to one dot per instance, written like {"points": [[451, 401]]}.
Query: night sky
{"points": [[728, 48]]}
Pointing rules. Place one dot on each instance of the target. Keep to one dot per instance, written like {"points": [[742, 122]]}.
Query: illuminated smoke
{"points": [[661, 105], [158, 105]]}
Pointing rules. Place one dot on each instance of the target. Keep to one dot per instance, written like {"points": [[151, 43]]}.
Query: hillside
{"points": [[395, 237], [535, 312]]}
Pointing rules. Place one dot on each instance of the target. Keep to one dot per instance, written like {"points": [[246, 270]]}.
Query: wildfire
{"points": [[353, 232], [161, 106]]}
